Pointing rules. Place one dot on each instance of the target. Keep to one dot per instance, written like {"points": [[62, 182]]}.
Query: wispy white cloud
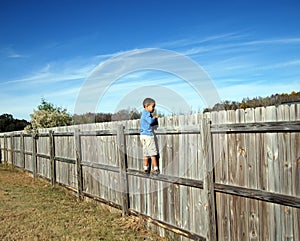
{"points": [[232, 42], [272, 41], [45, 78], [180, 43], [241, 67], [280, 65], [52, 74], [15, 55], [233, 47], [10, 52]]}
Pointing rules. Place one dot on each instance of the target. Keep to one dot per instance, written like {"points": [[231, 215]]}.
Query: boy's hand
{"points": [[156, 116]]}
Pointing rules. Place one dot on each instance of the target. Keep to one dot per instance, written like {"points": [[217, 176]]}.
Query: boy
{"points": [[147, 136]]}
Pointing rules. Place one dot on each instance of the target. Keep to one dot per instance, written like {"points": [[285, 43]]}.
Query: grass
{"points": [[35, 210]]}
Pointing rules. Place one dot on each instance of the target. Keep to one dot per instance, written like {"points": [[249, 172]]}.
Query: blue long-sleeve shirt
{"points": [[146, 123]]}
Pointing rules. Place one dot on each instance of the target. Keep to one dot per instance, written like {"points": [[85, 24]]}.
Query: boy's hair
{"points": [[148, 101]]}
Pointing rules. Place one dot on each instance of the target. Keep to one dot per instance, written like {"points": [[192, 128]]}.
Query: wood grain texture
{"points": [[256, 168]]}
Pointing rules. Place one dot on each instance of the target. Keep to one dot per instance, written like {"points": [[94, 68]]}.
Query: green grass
{"points": [[34, 210]]}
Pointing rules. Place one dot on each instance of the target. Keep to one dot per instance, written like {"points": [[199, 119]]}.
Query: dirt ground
{"points": [[34, 210]]}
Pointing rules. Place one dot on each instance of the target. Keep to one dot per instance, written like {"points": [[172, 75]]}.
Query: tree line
{"points": [[125, 114], [9, 123], [275, 99], [48, 115]]}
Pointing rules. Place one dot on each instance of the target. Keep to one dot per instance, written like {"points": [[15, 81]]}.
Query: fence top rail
{"points": [[279, 126], [98, 133], [168, 131], [63, 133], [6, 135]]}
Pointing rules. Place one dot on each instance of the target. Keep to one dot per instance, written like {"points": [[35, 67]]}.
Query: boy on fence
{"points": [[147, 136]]}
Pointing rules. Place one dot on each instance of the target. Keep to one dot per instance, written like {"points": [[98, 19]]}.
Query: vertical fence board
{"points": [[8, 150], [223, 154], [123, 170], [272, 151], [78, 155], [27, 149], [12, 149], [34, 156], [252, 172], [5, 150], [295, 165], [22, 151], [285, 172], [242, 225], [52, 157], [263, 178], [208, 180]]}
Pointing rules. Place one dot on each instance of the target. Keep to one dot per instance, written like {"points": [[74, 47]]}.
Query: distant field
{"points": [[34, 210]]}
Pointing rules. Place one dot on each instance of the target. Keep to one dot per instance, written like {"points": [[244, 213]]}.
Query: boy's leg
{"points": [[146, 164], [155, 170], [154, 162]]}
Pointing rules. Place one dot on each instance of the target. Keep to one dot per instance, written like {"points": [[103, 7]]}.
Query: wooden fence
{"points": [[229, 175]]}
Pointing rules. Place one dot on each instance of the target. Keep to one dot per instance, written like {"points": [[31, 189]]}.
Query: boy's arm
{"points": [[154, 119], [151, 119]]}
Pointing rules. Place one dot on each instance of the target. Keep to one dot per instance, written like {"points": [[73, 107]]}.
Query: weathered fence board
{"points": [[255, 192], [266, 155]]}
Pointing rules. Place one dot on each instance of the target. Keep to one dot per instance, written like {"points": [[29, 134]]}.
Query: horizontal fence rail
{"points": [[282, 126], [224, 176]]}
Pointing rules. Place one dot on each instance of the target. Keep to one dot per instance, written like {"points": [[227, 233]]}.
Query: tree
{"points": [[47, 115], [8, 123], [91, 118], [275, 99], [126, 114]]}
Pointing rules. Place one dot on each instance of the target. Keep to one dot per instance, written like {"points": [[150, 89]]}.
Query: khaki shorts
{"points": [[149, 146]]}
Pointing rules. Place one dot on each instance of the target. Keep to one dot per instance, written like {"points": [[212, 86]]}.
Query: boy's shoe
{"points": [[146, 171], [155, 172]]}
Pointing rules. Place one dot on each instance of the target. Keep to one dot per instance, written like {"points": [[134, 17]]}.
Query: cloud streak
{"points": [[10, 52], [229, 44], [48, 76]]}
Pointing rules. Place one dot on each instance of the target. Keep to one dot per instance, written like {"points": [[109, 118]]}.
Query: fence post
{"points": [[5, 150], [77, 139], [208, 182], [12, 148], [123, 170], [52, 157], [34, 155], [22, 153]]}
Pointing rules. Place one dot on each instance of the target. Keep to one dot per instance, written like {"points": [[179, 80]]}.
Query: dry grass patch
{"points": [[34, 210]]}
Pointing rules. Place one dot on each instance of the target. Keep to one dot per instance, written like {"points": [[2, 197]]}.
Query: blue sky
{"points": [[48, 48]]}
